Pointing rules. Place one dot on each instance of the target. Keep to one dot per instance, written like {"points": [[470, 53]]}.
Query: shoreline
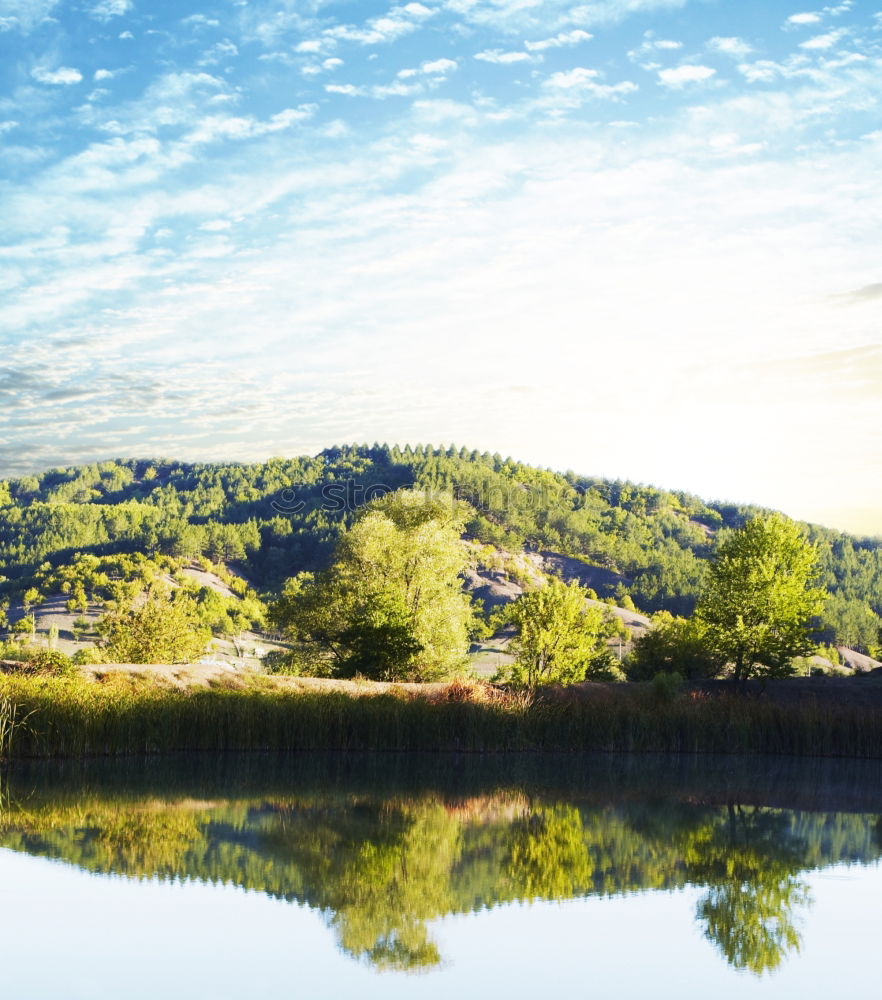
{"points": [[119, 714]]}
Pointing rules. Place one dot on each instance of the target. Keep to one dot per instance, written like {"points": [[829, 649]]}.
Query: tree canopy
{"points": [[561, 638], [161, 630], [760, 605], [391, 604]]}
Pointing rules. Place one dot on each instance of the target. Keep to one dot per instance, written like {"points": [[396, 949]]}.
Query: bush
{"points": [[12, 650], [304, 662], [278, 661], [666, 687], [51, 661], [88, 656], [674, 645]]}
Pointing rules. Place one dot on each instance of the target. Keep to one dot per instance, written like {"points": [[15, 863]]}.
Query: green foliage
{"points": [[561, 639], [26, 625], [391, 605], [88, 656], [851, 622], [51, 661], [674, 645], [29, 598], [666, 686], [759, 606], [161, 630]]}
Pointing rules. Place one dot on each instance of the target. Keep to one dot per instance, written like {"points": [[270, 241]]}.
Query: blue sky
{"points": [[636, 238]]}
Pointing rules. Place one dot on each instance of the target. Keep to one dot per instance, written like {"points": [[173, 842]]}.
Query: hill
{"points": [[105, 525]]}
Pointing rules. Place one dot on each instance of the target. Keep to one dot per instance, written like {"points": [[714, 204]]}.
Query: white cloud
{"points": [[650, 47], [731, 46], [761, 71], [825, 41], [809, 17], [62, 77], [433, 67], [311, 45], [379, 92], [503, 58], [582, 81], [416, 10], [680, 76], [398, 22], [531, 16], [217, 127], [104, 10], [348, 89], [7, 126], [574, 37], [201, 21], [218, 52], [24, 15], [439, 66], [290, 116], [395, 89], [578, 77]]}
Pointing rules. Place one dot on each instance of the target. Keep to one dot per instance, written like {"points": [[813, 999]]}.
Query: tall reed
{"points": [[71, 717]]}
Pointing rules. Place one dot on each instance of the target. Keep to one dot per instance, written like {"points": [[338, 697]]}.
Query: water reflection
{"points": [[381, 859]]}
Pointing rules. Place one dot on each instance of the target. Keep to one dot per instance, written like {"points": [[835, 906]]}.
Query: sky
{"points": [[633, 238]]}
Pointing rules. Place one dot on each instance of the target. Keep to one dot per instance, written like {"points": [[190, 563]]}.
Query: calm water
{"points": [[437, 877]]}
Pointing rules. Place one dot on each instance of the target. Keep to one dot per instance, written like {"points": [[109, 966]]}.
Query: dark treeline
{"points": [[270, 520]]}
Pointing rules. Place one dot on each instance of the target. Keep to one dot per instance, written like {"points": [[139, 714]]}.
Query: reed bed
{"points": [[74, 717]]}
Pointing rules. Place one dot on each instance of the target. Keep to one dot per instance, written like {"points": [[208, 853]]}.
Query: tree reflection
{"points": [[750, 859], [752, 923], [381, 869], [548, 856]]}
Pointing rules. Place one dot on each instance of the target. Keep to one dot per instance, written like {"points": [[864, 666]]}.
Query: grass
{"points": [[119, 714]]}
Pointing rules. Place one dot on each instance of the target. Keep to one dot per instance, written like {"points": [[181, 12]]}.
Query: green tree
{"points": [[161, 630], [761, 598], [25, 626], [674, 645], [391, 605], [30, 598], [561, 639]]}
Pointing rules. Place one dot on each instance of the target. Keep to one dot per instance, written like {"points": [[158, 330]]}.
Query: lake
{"points": [[387, 876]]}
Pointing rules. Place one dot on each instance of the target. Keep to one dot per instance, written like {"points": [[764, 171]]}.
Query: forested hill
{"points": [[271, 519]]}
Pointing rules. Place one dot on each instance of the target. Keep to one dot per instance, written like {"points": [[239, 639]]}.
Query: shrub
{"points": [[88, 656], [674, 645], [51, 661], [666, 687]]}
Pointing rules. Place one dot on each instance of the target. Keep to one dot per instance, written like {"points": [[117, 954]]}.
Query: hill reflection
{"points": [[382, 859]]}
